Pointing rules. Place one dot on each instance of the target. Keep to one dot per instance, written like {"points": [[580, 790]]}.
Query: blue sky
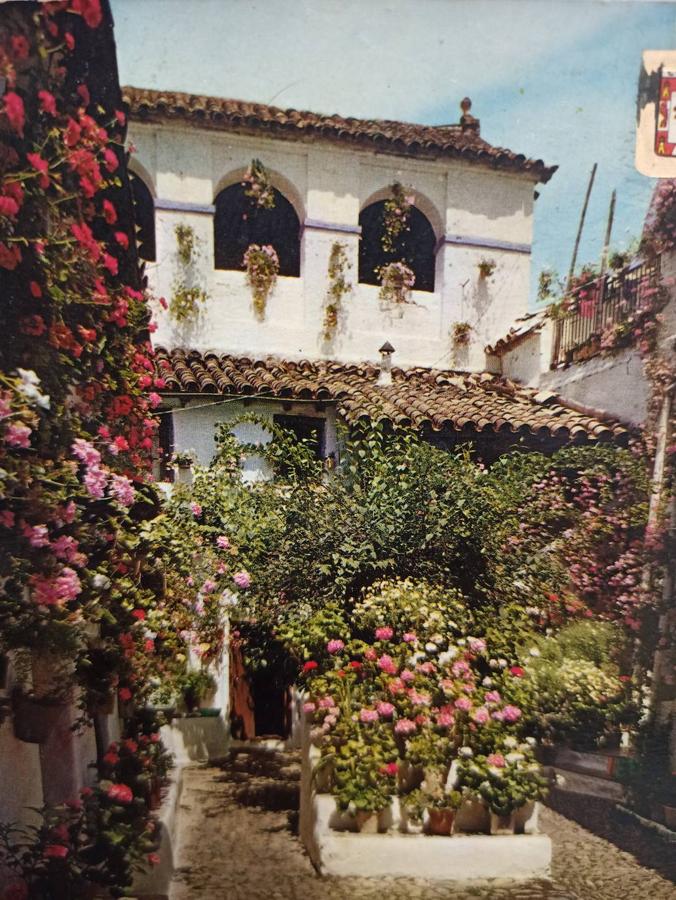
{"points": [[554, 79]]}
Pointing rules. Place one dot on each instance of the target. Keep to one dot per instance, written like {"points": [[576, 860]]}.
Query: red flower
{"points": [[120, 116], [10, 257], [354, 664], [70, 40], [15, 112], [56, 851], [390, 769], [86, 792], [122, 239], [111, 759], [517, 671], [87, 334], [310, 665], [110, 263], [110, 159], [33, 325], [120, 793], [109, 212], [124, 694], [35, 289], [83, 93], [139, 614], [20, 46], [72, 133], [8, 206], [16, 891], [47, 102], [625, 678], [153, 859], [90, 10], [40, 165]]}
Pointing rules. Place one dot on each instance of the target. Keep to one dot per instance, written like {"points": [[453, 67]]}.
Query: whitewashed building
{"points": [[467, 242]]}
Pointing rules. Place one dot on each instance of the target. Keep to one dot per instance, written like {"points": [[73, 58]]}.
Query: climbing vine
{"points": [[396, 212], [262, 268], [339, 287], [186, 296]]}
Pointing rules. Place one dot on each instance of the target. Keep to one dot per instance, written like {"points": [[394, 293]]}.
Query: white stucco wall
{"points": [[195, 427], [328, 186]]}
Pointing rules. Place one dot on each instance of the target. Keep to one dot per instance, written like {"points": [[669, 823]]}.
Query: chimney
{"points": [[467, 120], [385, 376]]}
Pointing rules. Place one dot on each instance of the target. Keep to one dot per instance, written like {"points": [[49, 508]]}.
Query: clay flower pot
{"points": [[670, 816], [502, 824], [366, 821], [440, 821]]}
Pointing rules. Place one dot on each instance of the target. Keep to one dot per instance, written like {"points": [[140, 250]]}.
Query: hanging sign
{"points": [[656, 130]]}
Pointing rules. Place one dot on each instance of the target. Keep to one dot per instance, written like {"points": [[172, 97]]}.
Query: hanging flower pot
{"points": [[440, 821], [262, 268], [35, 718]]}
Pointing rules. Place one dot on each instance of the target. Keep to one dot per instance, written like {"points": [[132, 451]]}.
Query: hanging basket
{"points": [[35, 718]]}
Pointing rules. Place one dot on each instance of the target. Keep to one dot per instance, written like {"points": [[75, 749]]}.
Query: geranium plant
{"points": [[257, 185], [396, 283]]}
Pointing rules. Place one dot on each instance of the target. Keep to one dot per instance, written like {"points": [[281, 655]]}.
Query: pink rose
{"points": [[511, 713], [409, 637], [497, 760], [463, 703], [405, 726], [481, 715]]}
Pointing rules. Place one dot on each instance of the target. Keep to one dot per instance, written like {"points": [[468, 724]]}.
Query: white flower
{"points": [[27, 376], [534, 651], [487, 682], [228, 598], [100, 582], [446, 657], [461, 642], [510, 742], [503, 663], [531, 741], [430, 647], [532, 611], [493, 663], [466, 752], [514, 757]]}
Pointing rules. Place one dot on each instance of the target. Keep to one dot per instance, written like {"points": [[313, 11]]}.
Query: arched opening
{"points": [[239, 222], [144, 217], [414, 246]]}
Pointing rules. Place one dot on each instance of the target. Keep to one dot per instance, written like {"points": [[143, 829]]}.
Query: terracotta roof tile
{"points": [[417, 396], [403, 138]]}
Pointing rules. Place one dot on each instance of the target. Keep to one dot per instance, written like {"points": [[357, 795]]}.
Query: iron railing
{"points": [[594, 308]]}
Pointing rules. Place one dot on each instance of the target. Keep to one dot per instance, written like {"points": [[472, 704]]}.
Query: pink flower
{"points": [[370, 654], [85, 452], [368, 715], [335, 645], [196, 510], [407, 676], [385, 709], [222, 542], [511, 713], [481, 715], [209, 586], [496, 759], [309, 707], [419, 699], [409, 637], [56, 591], [47, 102], [445, 719], [37, 535], [463, 703], [460, 669], [122, 490], [154, 399], [120, 793], [405, 726], [326, 703], [476, 645], [153, 859], [387, 664], [242, 579], [396, 686], [18, 435], [493, 697], [384, 633], [95, 481]]}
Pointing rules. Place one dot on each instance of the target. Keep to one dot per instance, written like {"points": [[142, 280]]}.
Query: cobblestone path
{"points": [[237, 841]]}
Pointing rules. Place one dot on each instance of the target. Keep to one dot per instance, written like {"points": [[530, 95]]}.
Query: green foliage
{"points": [[339, 286], [188, 293]]}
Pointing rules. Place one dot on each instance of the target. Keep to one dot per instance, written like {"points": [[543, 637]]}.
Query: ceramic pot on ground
{"points": [[502, 824], [440, 821], [407, 824], [472, 818]]}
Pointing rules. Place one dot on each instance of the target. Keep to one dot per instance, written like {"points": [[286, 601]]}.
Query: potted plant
{"points": [[396, 282], [486, 267], [362, 791], [182, 462], [195, 686], [461, 331]]}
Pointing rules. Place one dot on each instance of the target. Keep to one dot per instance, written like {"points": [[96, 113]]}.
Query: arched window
{"points": [[414, 246], [239, 222], [144, 217]]}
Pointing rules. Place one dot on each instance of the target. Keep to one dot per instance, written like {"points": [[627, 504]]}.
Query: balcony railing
{"points": [[594, 308]]}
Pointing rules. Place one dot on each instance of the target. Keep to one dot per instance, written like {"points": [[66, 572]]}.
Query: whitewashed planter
{"points": [[526, 818]]}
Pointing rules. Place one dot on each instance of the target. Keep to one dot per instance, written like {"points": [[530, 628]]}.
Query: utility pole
{"points": [[581, 226]]}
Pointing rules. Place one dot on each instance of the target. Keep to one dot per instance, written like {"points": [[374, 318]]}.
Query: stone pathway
{"points": [[237, 841]]}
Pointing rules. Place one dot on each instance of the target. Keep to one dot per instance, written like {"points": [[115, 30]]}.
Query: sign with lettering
{"points": [[656, 129]]}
